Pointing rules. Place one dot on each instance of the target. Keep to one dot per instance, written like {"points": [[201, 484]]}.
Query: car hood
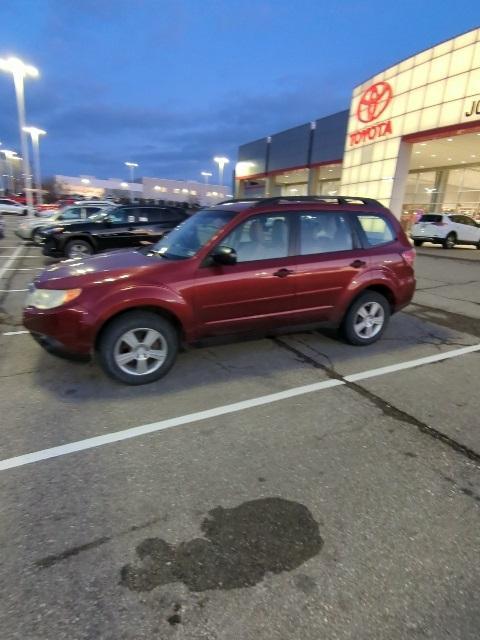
{"points": [[102, 268]]}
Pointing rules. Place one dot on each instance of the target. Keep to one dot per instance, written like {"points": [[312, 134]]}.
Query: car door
{"points": [[257, 291], [115, 231], [329, 257]]}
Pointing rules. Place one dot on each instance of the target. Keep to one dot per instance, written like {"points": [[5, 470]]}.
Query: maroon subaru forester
{"points": [[238, 266]]}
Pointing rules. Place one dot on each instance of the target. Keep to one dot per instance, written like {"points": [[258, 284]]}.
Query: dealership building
{"points": [[411, 139]]}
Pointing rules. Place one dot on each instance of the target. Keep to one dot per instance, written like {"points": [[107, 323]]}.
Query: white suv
{"points": [[447, 230], [11, 206]]}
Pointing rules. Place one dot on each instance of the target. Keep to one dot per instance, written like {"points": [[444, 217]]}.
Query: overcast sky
{"points": [[171, 83]]}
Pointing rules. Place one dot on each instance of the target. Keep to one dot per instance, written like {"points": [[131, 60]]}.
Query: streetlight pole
{"points": [[35, 134], [131, 166], [206, 175], [9, 155], [20, 71], [221, 161]]}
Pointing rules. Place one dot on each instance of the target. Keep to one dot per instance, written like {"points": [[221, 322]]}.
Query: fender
{"points": [[156, 296], [368, 279]]}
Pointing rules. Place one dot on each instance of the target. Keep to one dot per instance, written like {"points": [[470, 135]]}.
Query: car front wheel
{"points": [[367, 319], [138, 347], [418, 243], [78, 249]]}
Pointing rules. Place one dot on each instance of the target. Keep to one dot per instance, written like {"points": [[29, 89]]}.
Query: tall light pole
{"points": [[35, 133], [9, 155], [131, 166], [221, 161], [206, 175], [20, 71]]}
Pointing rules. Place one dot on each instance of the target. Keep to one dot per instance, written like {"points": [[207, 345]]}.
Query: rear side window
{"points": [[377, 229], [153, 214], [431, 217], [324, 233]]}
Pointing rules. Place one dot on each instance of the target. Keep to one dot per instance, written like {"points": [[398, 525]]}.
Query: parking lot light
{"points": [[221, 161], [35, 134], [131, 166], [206, 175], [20, 71]]}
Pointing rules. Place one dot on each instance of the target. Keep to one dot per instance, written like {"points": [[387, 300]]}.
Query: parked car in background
{"points": [[30, 228], [10, 206], [121, 226], [447, 230], [239, 266]]}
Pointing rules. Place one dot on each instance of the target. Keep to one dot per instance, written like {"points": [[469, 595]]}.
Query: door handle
{"points": [[357, 264], [283, 273]]}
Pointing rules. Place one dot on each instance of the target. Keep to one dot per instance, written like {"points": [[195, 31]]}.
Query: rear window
{"points": [[377, 229], [431, 217]]}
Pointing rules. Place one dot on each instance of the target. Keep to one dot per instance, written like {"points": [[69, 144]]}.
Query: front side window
{"points": [[376, 229], [72, 213], [259, 238], [324, 232], [119, 216], [193, 234]]}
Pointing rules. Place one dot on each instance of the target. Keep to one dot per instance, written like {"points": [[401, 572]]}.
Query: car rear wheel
{"points": [[137, 348], [418, 243], [367, 319], [78, 249], [449, 241]]}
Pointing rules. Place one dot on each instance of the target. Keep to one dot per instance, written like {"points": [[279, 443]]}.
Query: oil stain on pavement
{"points": [[239, 547]]}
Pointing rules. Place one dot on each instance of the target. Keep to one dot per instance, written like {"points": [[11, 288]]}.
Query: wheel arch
{"points": [[160, 311]]}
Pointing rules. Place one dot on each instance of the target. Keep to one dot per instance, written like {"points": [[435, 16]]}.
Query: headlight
{"points": [[50, 298], [52, 230]]}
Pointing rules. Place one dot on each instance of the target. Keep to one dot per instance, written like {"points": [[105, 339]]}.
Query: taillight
{"points": [[409, 256]]}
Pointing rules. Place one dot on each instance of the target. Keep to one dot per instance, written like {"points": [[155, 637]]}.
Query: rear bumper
{"points": [[434, 239]]}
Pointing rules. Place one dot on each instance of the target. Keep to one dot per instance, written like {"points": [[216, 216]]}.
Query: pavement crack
{"points": [[385, 407], [51, 560]]}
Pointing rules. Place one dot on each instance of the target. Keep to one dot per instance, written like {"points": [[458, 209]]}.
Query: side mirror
{"points": [[224, 255]]}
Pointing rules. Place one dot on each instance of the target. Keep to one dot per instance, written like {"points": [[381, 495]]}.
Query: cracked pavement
{"points": [[351, 513]]}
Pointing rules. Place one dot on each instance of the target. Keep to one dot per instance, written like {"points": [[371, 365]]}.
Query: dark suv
{"points": [[124, 226], [239, 266]]}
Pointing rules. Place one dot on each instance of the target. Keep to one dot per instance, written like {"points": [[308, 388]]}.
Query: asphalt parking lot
{"points": [[277, 488]]}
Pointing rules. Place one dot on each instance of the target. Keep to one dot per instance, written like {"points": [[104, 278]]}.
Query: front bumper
{"points": [[50, 248], [56, 348], [24, 234], [63, 330]]}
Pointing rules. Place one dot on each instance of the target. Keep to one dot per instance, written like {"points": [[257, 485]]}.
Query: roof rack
{"points": [[341, 200]]}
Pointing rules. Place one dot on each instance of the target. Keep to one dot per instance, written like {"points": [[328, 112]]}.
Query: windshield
{"points": [[190, 236]]}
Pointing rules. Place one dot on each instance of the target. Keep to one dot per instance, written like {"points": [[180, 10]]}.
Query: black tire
{"points": [[418, 243], [349, 324], [136, 321], [449, 241], [478, 244], [24, 212], [36, 237], [78, 248]]}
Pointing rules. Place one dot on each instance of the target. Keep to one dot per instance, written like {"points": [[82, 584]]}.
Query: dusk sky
{"points": [[170, 84]]}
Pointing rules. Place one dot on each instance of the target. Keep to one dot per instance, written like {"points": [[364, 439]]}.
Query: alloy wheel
{"points": [[369, 320], [140, 351]]}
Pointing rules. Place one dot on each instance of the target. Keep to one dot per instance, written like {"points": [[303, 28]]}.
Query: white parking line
{"points": [[135, 432], [10, 261], [12, 290], [15, 254], [25, 269], [13, 333]]}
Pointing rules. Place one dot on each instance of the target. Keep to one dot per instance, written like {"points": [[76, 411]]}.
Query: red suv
{"points": [[239, 266]]}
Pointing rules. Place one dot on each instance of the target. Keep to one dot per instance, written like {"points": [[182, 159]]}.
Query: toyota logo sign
{"points": [[374, 101]]}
